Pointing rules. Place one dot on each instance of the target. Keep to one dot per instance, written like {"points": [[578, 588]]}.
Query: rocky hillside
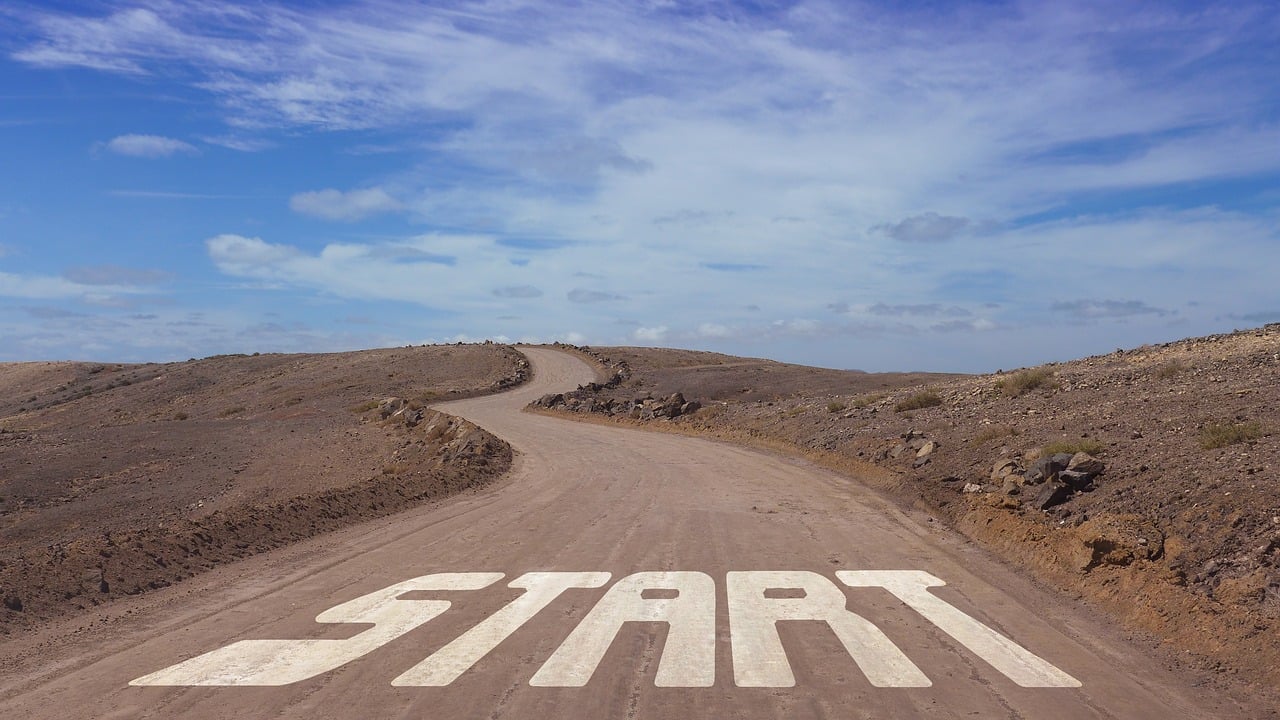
{"points": [[116, 479], [1144, 481]]}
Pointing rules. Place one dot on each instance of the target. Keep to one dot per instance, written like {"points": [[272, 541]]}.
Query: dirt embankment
{"points": [[1179, 534], [116, 479]]}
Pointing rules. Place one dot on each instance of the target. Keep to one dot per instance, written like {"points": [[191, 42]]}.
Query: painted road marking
{"points": [[446, 664], [758, 657], [686, 601], [281, 662], [912, 587], [689, 656]]}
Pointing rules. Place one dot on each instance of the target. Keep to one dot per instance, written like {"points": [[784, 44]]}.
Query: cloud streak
{"points": [[149, 146], [348, 206]]}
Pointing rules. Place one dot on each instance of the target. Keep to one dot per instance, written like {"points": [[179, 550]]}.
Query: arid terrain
{"points": [[1117, 516], [118, 479], [1177, 534]]}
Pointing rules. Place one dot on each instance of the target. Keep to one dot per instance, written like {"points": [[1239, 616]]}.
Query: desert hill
{"points": [[1144, 481], [115, 479]]}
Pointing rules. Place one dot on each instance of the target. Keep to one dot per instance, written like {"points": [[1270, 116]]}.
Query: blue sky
{"points": [[882, 186]]}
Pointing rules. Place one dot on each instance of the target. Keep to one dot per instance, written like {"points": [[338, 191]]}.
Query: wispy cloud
{"points": [[116, 275], [925, 228], [1097, 309], [149, 146], [348, 206], [901, 168], [517, 291], [582, 296]]}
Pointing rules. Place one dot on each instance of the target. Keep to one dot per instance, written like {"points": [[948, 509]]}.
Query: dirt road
{"points": [[615, 574]]}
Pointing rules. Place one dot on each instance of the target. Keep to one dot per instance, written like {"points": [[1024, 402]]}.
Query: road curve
{"points": [[615, 573]]}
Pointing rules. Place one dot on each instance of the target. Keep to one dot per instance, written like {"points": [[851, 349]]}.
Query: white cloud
{"points": [[149, 146], [348, 206], [830, 149], [655, 334]]}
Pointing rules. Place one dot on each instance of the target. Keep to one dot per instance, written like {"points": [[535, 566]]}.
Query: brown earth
{"points": [[1177, 537], [118, 479], [627, 505]]}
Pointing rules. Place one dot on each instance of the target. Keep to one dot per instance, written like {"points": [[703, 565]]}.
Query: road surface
{"points": [[614, 574]]}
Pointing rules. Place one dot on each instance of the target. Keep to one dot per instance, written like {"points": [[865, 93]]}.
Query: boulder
{"points": [[1053, 493], [927, 449], [390, 406], [1003, 469], [1086, 464], [1077, 480], [1045, 468], [692, 406], [970, 488]]}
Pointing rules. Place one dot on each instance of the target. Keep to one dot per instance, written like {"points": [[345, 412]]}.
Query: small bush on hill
{"points": [[1217, 435], [1084, 445], [919, 401], [1025, 381]]}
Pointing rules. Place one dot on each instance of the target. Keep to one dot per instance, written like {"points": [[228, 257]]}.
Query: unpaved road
{"points": [[615, 574]]}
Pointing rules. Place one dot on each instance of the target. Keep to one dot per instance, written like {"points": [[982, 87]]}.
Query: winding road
{"points": [[614, 573]]}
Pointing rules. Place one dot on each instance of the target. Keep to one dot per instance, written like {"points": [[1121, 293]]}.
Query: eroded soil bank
{"points": [[117, 479]]}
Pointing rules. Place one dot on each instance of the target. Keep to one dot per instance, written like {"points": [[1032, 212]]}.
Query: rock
{"points": [[1011, 486], [13, 602], [1053, 493], [897, 451], [970, 488], [1086, 464], [920, 462], [912, 435], [1045, 468], [926, 449], [692, 406], [411, 417], [389, 407], [551, 400], [1003, 468], [1077, 480]]}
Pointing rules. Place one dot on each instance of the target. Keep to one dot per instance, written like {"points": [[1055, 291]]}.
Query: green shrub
{"points": [[1024, 381], [1217, 435], [919, 401]]}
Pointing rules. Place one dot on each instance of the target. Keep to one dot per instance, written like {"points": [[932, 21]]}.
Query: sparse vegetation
{"points": [[1024, 381], [835, 407], [866, 401], [1071, 447], [363, 407], [180, 416], [1218, 435], [1170, 370], [919, 401], [994, 433], [228, 412]]}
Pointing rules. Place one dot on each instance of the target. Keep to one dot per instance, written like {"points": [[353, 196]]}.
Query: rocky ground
{"points": [[1143, 481], [115, 479]]}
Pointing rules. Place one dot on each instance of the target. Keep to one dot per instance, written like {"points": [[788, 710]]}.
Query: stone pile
{"points": [[1050, 480], [583, 400], [915, 446]]}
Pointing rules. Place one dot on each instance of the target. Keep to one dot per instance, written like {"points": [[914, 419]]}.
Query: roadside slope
{"points": [[1180, 533], [119, 479]]}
